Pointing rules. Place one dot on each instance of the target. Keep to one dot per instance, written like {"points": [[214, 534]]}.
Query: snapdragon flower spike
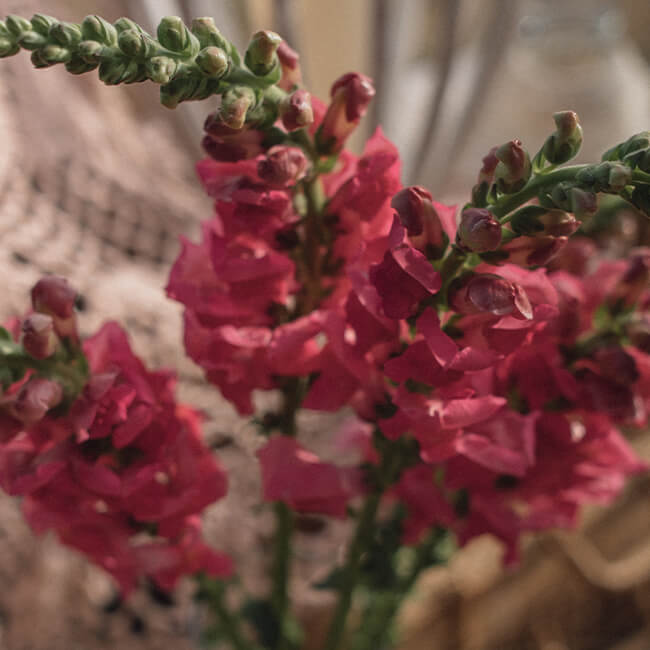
{"points": [[478, 231], [39, 338], [120, 476], [350, 95]]}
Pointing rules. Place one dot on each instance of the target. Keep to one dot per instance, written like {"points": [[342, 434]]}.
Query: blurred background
{"points": [[97, 184]]}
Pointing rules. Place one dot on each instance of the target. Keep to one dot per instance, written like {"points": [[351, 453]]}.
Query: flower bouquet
{"points": [[486, 354]]}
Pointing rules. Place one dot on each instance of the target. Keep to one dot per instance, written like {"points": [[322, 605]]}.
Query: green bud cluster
{"points": [[189, 63]]}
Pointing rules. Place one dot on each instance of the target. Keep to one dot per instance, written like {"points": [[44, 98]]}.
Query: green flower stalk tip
{"points": [[188, 64]]}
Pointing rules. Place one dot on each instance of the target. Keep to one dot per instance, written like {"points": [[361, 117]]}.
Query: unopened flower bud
{"points": [[17, 25], [485, 178], [478, 231], [532, 251], [514, 167], [175, 36], [414, 206], [537, 221], [235, 105], [207, 33], [290, 64], [39, 338], [53, 295], [283, 166], [351, 95], [296, 110], [488, 293], [213, 62], [32, 41], [52, 54], [411, 203], [35, 399], [95, 28], [260, 55], [8, 47], [89, 51], [134, 43], [161, 69], [116, 72], [65, 34], [41, 23], [565, 143], [230, 145]]}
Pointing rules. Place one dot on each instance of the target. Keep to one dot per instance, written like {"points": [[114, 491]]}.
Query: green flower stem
{"points": [[294, 392], [362, 537], [214, 592], [379, 617], [507, 204], [281, 567]]}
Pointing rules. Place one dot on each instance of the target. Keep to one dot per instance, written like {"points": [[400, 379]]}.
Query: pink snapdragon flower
{"points": [[297, 477]]}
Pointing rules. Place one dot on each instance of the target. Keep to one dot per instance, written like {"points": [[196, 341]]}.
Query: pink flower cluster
{"points": [[514, 406], [519, 396], [122, 474]]}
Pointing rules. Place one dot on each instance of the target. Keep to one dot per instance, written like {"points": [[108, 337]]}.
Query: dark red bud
{"points": [[478, 231], [514, 167], [283, 166], [490, 162], [296, 110], [351, 95], [39, 338], [413, 206], [53, 295]]}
